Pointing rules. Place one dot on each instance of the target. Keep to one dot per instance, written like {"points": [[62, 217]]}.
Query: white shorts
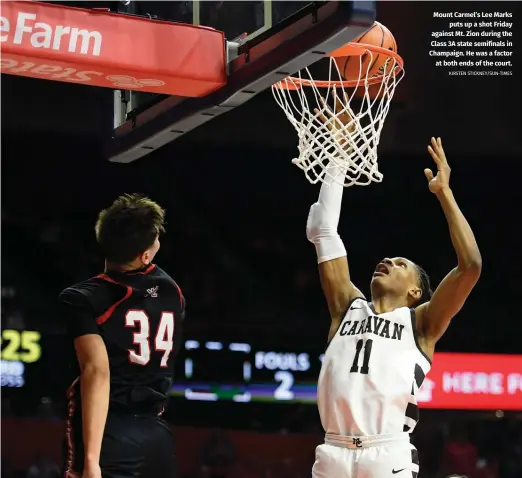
{"points": [[382, 456]]}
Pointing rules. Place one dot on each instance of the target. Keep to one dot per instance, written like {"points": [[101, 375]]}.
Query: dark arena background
{"points": [[243, 401]]}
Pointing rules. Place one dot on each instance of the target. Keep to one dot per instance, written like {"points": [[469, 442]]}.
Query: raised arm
{"points": [[321, 230], [449, 297]]}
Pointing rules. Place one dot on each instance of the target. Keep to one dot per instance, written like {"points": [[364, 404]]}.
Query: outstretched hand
{"points": [[337, 118], [441, 181]]}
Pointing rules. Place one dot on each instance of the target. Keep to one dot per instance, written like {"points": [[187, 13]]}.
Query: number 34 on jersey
{"points": [[163, 340]]}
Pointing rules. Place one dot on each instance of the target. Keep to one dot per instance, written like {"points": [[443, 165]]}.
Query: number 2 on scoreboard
{"points": [[283, 391]]}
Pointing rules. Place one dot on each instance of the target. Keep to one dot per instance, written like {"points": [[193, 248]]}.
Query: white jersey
{"points": [[371, 373]]}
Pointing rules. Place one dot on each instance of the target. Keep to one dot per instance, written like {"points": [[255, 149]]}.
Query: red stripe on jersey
{"points": [[71, 406], [180, 296], [107, 314]]}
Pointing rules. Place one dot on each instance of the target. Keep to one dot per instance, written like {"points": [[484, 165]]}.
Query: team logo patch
{"points": [[152, 292]]}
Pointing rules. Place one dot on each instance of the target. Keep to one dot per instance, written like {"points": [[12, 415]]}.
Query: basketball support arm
{"points": [[323, 220]]}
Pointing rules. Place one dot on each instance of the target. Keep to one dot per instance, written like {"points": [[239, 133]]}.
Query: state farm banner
{"points": [[473, 381], [100, 48]]}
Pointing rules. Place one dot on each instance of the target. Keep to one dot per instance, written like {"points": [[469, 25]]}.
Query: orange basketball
{"points": [[352, 67]]}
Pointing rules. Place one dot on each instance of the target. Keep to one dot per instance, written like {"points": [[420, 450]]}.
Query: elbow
{"points": [[473, 266], [95, 372]]}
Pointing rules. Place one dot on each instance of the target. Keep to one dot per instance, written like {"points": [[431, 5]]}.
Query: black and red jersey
{"points": [[139, 315]]}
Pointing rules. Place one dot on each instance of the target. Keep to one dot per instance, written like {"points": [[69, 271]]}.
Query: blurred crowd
{"points": [[232, 274], [278, 280], [472, 449], [240, 255]]}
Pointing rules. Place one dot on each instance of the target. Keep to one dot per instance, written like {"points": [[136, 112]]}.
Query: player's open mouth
{"points": [[382, 269]]}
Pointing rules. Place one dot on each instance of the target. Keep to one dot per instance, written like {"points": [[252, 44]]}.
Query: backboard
{"points": [[265, 42]]}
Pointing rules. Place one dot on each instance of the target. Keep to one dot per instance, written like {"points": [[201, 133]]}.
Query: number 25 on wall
{"points": [[21, 346]]}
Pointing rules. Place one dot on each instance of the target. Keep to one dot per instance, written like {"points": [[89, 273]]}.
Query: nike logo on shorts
{"points": [[397, 471]]}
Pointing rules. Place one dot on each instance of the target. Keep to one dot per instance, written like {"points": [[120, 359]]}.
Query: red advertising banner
{"points": [[473, 382], [100, 48]]}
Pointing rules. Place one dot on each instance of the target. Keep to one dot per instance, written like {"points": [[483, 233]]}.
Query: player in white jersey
{"points": [[380, 351]]}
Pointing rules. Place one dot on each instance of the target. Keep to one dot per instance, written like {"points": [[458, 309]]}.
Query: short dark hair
{"points": [[129, 227], [425, 286]]}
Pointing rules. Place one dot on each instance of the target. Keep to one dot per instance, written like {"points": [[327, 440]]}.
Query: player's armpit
{"points": [[435, 316], [338, 288], [95, 391]]}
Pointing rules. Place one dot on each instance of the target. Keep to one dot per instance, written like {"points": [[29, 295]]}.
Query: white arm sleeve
{"points": [[323, 219]]}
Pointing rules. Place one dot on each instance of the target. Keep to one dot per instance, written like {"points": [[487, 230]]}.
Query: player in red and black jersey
{"points": [[126, 328]]}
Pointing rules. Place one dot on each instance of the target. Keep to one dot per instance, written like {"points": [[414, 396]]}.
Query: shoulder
{"points": [[359, 299], [82, 293], [78, 307], [418, 323], [169, 281], [159, 273], [419, 317], [357, 302], [95, 294]]}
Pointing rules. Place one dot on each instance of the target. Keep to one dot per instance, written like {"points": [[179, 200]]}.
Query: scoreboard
{"points": [[35, 365], [212, 371], [20, 349], [242, 372]]}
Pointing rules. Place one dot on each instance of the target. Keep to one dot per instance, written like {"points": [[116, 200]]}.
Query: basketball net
{"points": [[363, 105]]}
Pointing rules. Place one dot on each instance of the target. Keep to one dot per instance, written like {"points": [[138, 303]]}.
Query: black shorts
{"points": [[133, 447]]}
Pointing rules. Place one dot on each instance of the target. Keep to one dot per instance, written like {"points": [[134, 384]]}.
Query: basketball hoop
{"points": [[351, 146]]}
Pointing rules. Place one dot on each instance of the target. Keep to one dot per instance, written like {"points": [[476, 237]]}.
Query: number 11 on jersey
{"points": [[366, 359]]}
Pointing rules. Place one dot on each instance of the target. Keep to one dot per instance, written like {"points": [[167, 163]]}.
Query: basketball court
{"points": [[175, 66]]}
